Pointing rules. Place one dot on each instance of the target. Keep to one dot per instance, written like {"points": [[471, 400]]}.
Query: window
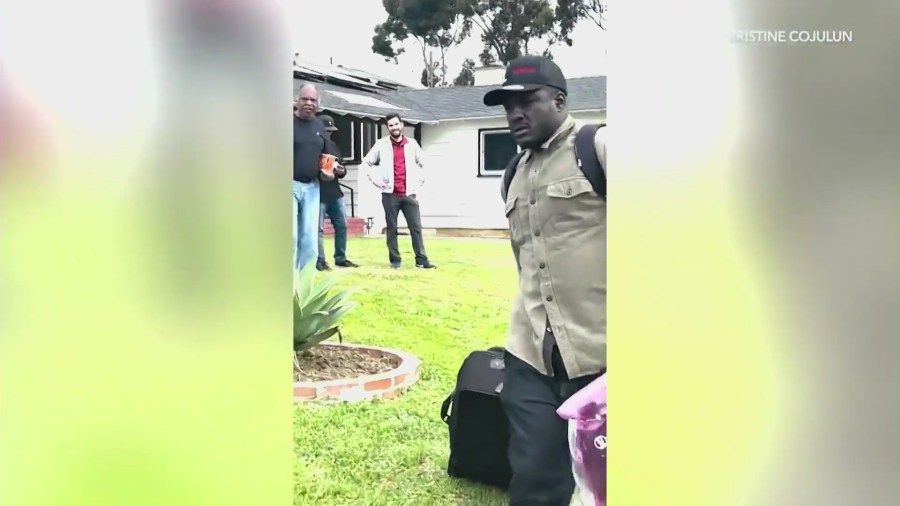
{"points": [[497, 148], [347, 137], [370, 135]]}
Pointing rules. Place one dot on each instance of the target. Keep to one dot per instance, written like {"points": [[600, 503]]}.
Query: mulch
{"points": [[324, 363]]}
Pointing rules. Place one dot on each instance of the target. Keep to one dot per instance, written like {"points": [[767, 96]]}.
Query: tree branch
{"points": [[596, 11]]}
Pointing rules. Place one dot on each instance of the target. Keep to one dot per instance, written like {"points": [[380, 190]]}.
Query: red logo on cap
{"points": [[523, 70]]}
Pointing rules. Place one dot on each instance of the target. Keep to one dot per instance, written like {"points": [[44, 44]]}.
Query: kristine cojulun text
{"points": [[793, 36]]}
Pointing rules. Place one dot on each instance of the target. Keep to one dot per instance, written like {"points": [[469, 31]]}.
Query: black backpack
{"points": [[477, 423], [591, 166]]}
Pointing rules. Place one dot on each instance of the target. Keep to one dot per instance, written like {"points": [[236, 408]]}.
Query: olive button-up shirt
{"points": [[557, 227]]}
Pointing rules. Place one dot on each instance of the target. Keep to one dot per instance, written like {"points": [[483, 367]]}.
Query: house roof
{"points": [[344, 76], [381, 81], [466, 102], [365, 104], [432, 105]]}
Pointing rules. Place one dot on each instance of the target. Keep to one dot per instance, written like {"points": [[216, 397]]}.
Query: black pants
{"points": [[538, 437], [393, 205]]}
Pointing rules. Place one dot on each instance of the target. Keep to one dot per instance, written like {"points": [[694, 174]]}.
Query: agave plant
{"points": [[316, 308]]}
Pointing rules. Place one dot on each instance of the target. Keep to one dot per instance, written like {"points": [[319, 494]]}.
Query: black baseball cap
{"points": [[527, 73], [329, 123]]}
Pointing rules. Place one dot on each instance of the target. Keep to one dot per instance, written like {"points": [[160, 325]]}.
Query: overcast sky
{"points": [[343, 29]]}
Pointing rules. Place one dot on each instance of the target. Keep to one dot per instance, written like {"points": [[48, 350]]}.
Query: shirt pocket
{"points": [[515, 224], [572, 204]]}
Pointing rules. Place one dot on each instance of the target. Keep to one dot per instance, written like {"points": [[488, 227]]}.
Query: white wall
{"points": [[489, 75], [454, 196]]}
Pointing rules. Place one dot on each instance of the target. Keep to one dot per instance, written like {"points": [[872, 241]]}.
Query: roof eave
{"points": [[377, 116], [501, 115]]}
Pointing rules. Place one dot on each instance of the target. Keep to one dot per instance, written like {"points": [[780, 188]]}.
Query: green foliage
{"points": [[389, 36], [434, 24], [595, 10], [508, 27], [570, 12], [466, 76], [316, 308]]}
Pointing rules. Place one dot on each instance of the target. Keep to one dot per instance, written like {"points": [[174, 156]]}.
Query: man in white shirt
{"points": [[396, 166]]}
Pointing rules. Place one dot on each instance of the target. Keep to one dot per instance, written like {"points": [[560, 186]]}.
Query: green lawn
{"points": [[395, 452]]}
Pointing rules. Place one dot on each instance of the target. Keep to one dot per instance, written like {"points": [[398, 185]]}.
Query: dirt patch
{"points": [[324, 363]]}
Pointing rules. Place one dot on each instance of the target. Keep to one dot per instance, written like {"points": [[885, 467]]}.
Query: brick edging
{"points": [[373, 386]]}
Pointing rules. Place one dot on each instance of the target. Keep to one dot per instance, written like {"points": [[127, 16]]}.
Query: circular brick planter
{"points": [[374, 386]]}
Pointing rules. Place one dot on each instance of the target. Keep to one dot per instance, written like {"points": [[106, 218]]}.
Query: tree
{"points": [[595, 10], [570, 12], [429, 72], [466, 76], [387, 38], [509, 27], [434, 24]]}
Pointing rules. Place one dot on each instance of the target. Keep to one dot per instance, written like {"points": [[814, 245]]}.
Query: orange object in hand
{"points": [[327, 163]]}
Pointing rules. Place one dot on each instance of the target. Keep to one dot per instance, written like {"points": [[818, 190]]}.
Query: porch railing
{"points": [[352, 200]]}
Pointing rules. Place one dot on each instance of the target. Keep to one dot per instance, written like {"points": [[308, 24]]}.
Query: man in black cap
{"points": [[332, 205], [556, 343]]}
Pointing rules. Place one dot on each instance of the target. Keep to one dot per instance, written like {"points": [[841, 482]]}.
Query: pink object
{"points": [[586, 413]]}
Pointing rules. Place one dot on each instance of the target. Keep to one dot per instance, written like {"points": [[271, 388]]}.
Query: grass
{"points": [[394, 452]]}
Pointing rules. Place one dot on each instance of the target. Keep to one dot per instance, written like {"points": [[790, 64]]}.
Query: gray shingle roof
{"points": [[342, 100], [459, 102], [437, 104]]}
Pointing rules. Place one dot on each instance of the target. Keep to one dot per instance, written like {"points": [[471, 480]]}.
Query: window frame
{"points": [[370, 133], [482, 133], [356, 137]]}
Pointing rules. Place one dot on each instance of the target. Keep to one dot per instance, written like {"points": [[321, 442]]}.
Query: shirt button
{"points": [[549, 298], [569, 191], [537, 233], [533, 201], [542, 265]]}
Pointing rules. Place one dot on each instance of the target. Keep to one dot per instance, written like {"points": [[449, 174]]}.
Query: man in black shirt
{"points": [[309, 144], [332, 199]]}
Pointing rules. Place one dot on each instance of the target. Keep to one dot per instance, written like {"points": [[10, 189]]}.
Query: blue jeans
{"points": [[306, 217], [335, 211]]}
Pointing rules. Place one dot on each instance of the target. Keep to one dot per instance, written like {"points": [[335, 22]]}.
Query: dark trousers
{"points": [[538, 438], [335, 212], [393, 206]]}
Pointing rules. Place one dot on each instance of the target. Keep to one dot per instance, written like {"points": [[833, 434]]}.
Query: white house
{"points": [[466, 143]]}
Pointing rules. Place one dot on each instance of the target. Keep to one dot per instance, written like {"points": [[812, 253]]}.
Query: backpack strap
{"points": [[590, 164], [509, 173], [445, 408], [588, 161]]}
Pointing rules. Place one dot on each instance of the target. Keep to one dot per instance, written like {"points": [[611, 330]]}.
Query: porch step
{"points": [[355, 226]]}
